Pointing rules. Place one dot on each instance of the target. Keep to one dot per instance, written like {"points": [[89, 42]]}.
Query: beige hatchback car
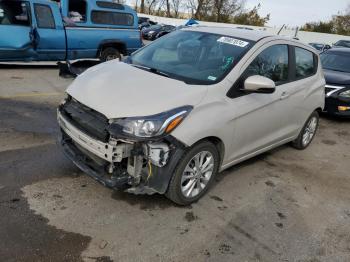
{"points": [[189, 105]]}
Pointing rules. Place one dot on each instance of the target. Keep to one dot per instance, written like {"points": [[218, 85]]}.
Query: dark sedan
{"points": [[342, 43], [336, 65], [157, 31]]}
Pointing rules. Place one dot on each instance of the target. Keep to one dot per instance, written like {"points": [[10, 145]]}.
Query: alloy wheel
{"points": [[197, 174], [309, 131]]}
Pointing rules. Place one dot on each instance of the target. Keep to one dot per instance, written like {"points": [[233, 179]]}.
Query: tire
{"points": [[309, 127], [199, 182], [110, 53]]}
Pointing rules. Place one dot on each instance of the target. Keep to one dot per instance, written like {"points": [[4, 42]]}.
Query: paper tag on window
{"points": [[232, 41], [212, 78]]}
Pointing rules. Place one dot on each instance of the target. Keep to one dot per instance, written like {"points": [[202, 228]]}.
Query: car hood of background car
{"points": [[118, 90], [336, 77]]}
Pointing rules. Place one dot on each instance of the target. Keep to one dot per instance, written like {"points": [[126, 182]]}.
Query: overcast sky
{"points": [[298, 12]]}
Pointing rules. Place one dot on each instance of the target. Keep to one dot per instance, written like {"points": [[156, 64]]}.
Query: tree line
{"points": [[223, 11], [339, 24]]}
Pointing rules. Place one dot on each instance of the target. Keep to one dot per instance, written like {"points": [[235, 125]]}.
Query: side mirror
{"points": [[259, 84]]}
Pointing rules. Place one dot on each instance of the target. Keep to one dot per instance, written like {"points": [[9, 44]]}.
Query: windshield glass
{"points": [[336, 61], [193, 57], [343, 43]]}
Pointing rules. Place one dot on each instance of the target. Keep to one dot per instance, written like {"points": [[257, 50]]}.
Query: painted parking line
{"points": [[19, 95]]}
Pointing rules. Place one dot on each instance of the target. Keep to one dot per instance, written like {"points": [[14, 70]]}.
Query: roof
{"points": [[252, 35]]}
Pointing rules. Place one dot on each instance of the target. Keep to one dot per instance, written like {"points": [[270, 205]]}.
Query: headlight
{"points": [[151, 32], [149, 126], [345, 94]]}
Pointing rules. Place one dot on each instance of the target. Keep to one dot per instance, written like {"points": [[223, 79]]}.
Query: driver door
{"points": [[258, 117], [15, 31]]}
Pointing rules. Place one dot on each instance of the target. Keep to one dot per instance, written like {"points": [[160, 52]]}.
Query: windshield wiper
{"points": [[152, 70], [158, 72]]}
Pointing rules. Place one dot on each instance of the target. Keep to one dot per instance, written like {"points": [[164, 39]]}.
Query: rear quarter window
{"points": [[112, 18], [305, 62]]}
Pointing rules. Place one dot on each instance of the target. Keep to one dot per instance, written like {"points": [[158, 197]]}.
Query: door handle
{"points": [[284, 95]]}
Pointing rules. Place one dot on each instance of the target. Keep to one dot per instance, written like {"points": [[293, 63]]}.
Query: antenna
{"points": [[281, 29], [296, 32]]}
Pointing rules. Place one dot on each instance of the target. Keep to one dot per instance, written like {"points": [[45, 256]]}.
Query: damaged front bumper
{"points": [[136, 167]]}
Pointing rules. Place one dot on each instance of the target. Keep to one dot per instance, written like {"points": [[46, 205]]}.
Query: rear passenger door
{"points": [[304, 65]]}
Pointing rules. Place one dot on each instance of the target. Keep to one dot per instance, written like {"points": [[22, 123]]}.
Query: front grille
{"points": [[86, 119]]}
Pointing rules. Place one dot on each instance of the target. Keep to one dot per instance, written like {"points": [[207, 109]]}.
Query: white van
{"points": [[189, 105]]}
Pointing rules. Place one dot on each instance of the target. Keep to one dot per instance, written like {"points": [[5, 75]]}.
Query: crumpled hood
{"points": [[117, 89]]}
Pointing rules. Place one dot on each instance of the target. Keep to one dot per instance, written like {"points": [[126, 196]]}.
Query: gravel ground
{"points": [[285, 205]]}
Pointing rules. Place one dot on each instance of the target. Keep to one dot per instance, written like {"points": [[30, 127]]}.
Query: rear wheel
{"points": [[307, 133], [194, 174], [110, 53]]}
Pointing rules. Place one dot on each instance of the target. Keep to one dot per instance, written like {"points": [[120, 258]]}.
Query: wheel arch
{"points": [[319, 110], [115, 43], [218, 143]]}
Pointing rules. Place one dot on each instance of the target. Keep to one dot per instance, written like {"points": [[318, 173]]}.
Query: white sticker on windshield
{"points": [[212, 78], [232, 41]]}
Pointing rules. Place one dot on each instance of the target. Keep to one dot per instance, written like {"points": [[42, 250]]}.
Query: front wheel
{"points": [[307, 133], [194, 174]]}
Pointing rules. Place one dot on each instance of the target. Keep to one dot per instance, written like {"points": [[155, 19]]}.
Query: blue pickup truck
{"points": [[43, 30]]}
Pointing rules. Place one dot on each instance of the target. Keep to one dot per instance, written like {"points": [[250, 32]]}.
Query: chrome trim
{"points": [[335, 89]]}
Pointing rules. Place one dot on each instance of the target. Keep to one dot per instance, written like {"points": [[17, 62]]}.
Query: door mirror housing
{"points": [[259, 84]]}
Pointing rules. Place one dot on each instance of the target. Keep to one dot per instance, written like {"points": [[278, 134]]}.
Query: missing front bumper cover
{"points": [[121, 164]]}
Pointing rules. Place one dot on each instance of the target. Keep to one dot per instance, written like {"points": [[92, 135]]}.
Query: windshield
{"points": [[193, 57], [343, 43], [336, 61]]}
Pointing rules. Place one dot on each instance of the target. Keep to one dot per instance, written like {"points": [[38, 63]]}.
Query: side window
{"points": [[112, 18], [44, 17], [271, 63], [305, 64], [77, 11], [14, 13]]}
